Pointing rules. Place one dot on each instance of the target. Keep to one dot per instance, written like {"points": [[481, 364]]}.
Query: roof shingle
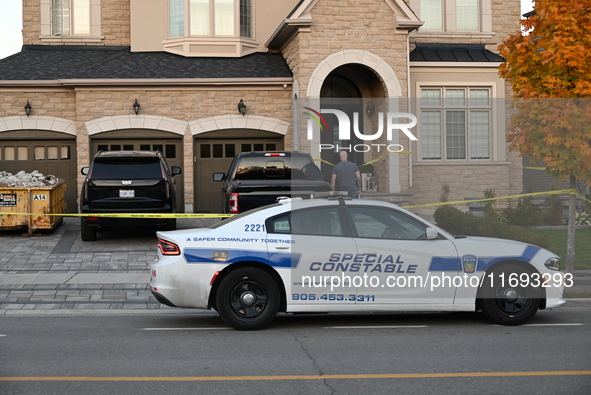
{"points": [[94, 62]]}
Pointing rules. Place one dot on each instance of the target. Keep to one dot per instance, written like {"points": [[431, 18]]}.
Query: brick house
{"points": [[188, 63]]}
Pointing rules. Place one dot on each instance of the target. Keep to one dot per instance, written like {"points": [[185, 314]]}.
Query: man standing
{"points": [[346, 177]]}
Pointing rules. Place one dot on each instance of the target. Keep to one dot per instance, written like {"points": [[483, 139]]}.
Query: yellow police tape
{"points": [[559, 192], [128, 215], [204, 215]]}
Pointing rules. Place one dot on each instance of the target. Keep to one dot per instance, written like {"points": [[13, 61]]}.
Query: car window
{"points": [[284, 168], [380, 223], [127, 169], [315, 222]]}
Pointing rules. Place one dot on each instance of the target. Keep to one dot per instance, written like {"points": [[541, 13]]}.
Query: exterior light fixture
{"points": [[136, 107], [370, 109], [242, 107], [28, 108]]}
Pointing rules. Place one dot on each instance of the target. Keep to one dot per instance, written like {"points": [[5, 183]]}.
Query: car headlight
{"points": [[553, 263]]}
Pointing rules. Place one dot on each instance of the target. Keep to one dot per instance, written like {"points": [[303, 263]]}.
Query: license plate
{"points": [[125, 193]]}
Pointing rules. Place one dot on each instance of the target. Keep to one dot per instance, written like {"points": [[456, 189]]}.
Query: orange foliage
{"points": [[549, 68]]}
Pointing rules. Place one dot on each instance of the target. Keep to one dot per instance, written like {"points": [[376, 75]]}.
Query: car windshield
{"points": [[283, 168], [126, 169]]}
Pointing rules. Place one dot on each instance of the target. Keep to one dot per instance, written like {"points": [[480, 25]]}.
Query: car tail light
{"points": [[92, 218], [274, 154], [233, 202], [166, 184], [167, 188], [168, 248]]}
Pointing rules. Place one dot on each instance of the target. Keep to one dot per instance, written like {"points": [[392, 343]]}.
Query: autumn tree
{"points": [[548, 64]]}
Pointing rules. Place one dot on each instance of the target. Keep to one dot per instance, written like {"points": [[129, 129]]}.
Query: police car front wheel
{"points": [[248, 298], [507, 301]]}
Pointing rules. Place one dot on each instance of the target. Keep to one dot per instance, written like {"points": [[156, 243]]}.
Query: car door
{"points": [[398, 260], [321, 248]]}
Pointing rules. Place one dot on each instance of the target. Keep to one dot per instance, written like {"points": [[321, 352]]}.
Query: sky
{"points": [[11, 25]]}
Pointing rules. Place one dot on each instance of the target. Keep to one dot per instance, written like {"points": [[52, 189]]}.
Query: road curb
{"points": [[99, 312]]}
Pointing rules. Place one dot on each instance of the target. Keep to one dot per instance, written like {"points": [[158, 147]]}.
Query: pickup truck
{"points": [[256, 179]]}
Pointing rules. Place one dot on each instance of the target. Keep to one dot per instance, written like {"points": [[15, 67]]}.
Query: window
{"points": [[455, 123], [313, 222], [246, 18], [288, 168], [208, 18], [125, 169], [467, 14], [70, 17], [459, 15], [379, 223], [432, 14], [177, 17]]}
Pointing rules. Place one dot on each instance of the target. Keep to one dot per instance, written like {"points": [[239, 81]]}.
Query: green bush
{"points": [[458, 223], [526, 214]]}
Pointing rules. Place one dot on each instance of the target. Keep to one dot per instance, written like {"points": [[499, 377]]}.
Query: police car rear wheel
{"points": [[248, 298], [507, 300]]}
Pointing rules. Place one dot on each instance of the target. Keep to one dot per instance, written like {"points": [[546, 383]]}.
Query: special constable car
{"points": [[339, 255]]}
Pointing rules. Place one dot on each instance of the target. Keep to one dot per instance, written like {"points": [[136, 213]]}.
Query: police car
{"points": [[340, 255]]}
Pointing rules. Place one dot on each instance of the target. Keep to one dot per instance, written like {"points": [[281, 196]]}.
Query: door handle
{"points": [[282, 248]]}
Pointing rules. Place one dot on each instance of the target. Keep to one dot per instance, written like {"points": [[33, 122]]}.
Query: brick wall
{"points": [[114, 21], [352, 24], [185, 104]]}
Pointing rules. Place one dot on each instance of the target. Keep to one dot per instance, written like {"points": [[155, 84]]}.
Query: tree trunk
{"points": [[570, 239]]}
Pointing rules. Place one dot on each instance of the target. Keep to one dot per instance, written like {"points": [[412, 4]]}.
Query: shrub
{"points": [[526, 214], [444, 194], [456, 222]]}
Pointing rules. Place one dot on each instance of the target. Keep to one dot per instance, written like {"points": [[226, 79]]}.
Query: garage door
{"points": [[172, 149], [216, 156], [50, 157]]}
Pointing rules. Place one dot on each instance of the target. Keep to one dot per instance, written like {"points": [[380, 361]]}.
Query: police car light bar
{"points": [[274, 154]]}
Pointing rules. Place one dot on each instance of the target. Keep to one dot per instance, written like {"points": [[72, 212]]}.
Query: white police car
{"points": [[340, 255]]}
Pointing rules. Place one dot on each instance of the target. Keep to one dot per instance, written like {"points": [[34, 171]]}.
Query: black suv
{"points": [[127, 182]]}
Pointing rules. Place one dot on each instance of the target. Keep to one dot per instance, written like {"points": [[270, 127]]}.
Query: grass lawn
{"points": [[557, 244]]}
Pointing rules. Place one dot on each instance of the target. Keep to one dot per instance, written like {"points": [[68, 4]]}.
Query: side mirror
{"points": [[217, 177], [84, 170], [176, 170], [432, 233]]}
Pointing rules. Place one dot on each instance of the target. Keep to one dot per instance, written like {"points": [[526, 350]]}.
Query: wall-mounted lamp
{"points": [[242, 107], [28, 108], [370, 109], [136, 107]]}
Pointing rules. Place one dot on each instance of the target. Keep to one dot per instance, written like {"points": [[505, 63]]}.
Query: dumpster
{"points": [[27, 207]]}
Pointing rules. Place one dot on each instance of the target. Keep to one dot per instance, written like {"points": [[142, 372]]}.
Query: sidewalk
{"points": [[57, 273]]}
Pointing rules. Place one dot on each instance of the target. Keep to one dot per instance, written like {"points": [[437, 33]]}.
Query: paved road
{"points": [[460, 353]]}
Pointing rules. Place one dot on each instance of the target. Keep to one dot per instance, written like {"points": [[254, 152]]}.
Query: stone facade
{"points": [[342, 32]]}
